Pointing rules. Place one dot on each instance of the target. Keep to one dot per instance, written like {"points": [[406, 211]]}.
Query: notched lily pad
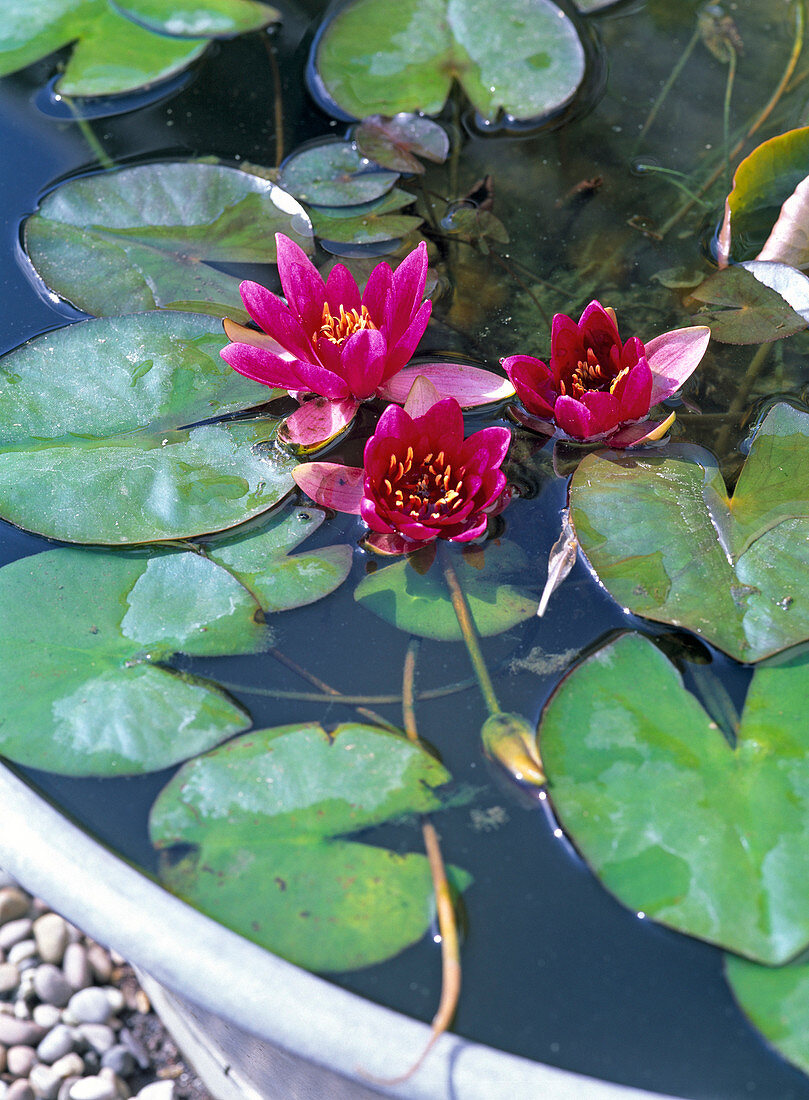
{"points": [[269, 815], [115, 45], [398, 142], [334, 173], [776, 1001], [145, 237], [92, 447], [518, 58], [668, 543], [706, 838], [746, 305], [419, 603]]}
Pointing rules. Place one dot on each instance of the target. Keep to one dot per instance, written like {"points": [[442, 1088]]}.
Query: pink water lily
{"points": [[598, 388], [420, 479], [341, 347]]}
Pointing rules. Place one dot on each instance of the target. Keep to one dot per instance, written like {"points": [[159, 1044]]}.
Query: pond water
{"points": [[554, 968]]}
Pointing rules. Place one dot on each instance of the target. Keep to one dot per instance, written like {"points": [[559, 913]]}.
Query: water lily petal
{"points": [[533, 423], [331, 484], [242, 334], [362, 359], [599, 330], [421, 396], [443, 422], [485, 449], [647, 432], [534, 382], [376, 292], [566, 344], [276, 319], [317, 422], [342, 290], [605, 411], [633, 392], [470, 386], [402, 350], [573, 418], [391, 543], [290, 374], [673, 358], [408, 286], [302, 283]]}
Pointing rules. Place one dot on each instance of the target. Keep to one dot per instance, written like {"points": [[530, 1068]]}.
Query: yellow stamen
{"points": [[338, 329]]}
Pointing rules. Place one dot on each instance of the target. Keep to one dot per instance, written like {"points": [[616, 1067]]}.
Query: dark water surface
{"points": [[553, 967]]}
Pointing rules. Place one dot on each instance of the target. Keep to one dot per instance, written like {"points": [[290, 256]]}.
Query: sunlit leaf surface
{"points": [[113, 53], [521, 57], [146, 237], [92, 443], [334, 173], [269, 815], [741, 308], [715, 845], [669, 544], [776, 1000]]}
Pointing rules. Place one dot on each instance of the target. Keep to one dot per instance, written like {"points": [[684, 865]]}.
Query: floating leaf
{"points": [[91, 444], [113, 53], [706, 838], [762, 184], [268, 815], [419, 602], [668, 543], [365, 228], [145, 237], [776, 1001], [520, 57], [334, 173], [397, 142], [80, 639], [750, 310]]}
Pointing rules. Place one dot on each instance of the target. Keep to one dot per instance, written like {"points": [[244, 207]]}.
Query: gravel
{"points": [[74, 1023]]}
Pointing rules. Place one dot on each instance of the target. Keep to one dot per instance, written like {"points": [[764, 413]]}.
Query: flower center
{"points": [[589, 374], [338, 329], [426, 490]]}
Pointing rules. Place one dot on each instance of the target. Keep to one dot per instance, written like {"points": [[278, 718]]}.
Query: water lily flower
{"points": [[420, 479], [343, 347], [598, 388]]}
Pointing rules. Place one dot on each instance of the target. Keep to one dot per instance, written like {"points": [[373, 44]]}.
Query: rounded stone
{"points": [[76, 967], [99, 1037], [44, 1082], [71, 1065], [59, 1041], [14, 903], [93, 1088], [116, 998], [122, 1089], [14, 1032], [100, 962], [9, 978], [23, 949], [21, 1009], [47, 1016], [50, 935], [157, 1090], [20, 1060], [14, 931], [119, 1060], [20, 1090], [2, 1059], [51, 985], [90, 1006], [65, 1087]]}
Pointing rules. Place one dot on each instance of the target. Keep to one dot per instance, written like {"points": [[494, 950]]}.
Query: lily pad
{"points": [[92, 443], [704, 837], [762, 184], [268, 816], [522, 58], [776, 1001], [668, 543], [365, 228], [145, 237], [747, 306], [334, 173], [113, 53], [397, 142], [419, 602]]}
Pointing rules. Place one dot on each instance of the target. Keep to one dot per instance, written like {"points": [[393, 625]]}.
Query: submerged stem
{"points": [[503, 263], [726, 112], [101, 154], [664, 91], [740, 399], [278, 101], [327, 689], [470, 636]]}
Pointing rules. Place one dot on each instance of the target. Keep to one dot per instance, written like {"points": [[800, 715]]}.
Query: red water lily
{"points": [[420, 480], [343, 347], [598, 388]]}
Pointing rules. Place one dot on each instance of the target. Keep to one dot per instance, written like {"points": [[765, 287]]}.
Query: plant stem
{"points": [[676, 180], [347, 700], [742, 393], [470, 636], [88, 134], [278, 100], [327, 689], [664, 91], [510, 271], [726, 112]]}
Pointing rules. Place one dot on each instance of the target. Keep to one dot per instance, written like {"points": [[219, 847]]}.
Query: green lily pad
{"points": [[519, 57], [268, 815], [744, 310], [112, 53], [145, 237], [81, 639], [92, 443], [419, 602], [763, 182], [365, 228], [397, 142], [776, 1001], [334, 173], [704, 837], [667, 542]]}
